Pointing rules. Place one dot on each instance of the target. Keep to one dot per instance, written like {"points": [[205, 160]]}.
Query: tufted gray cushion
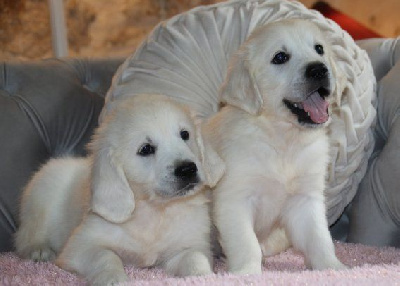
{"points": [[47, 109], [186, 58]]}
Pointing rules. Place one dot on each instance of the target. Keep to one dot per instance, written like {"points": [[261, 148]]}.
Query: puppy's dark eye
{"points": [[146, 150], [319, 49], [185, 135], [280, 58]]}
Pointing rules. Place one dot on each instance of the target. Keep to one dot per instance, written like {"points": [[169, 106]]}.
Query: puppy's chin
{"points": [[179, 190], [189, 189], [313, 112]]}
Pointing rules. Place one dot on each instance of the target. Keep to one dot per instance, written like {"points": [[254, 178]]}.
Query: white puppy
{"points": [[272, 139], [141, 195]]}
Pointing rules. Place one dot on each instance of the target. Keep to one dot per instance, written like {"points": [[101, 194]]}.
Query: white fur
{"points": [[130, 204], [271, 195]]}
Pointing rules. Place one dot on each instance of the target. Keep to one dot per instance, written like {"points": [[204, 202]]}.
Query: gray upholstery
{"points": [[374, 217], [47, 108]]}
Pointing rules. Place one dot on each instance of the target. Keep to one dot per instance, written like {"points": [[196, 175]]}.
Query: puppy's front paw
{"points": [[43, 253], [108, 278], [339, 266], [190, 263], [198, 270], [247, 269], [333, 264]]}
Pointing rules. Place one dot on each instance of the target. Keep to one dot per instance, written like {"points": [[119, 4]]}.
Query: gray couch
{"points": [[374, 215], [49, 108]]}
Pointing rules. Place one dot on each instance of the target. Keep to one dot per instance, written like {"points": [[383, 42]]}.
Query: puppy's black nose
{"points": [[316, 71], [186, 169]]}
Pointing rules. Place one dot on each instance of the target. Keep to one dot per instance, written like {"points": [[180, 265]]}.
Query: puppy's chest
{"points": [[288, 156], [158, 233], [283, 169], [285, 163]]}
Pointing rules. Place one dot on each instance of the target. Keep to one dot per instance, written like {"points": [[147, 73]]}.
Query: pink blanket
{"points": [[369, 266]]}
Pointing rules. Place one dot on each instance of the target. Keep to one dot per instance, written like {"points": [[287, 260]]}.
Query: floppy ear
{"points": [[213, 165], [239, 88], [340, 80], [112, 198]]}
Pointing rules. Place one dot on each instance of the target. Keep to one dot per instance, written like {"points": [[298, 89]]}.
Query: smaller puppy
{"points": [[272, 139], [139, 198]]}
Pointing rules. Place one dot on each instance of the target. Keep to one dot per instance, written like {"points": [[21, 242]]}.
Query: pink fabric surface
{"points": [[368, 266]]}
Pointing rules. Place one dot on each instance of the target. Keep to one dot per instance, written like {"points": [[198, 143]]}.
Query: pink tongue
{"points": [[317, 107]]}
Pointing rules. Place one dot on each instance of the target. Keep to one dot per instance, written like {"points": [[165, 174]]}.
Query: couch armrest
{"points": [[375, 213]]}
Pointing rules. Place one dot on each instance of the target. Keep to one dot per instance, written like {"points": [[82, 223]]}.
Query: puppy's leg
{"points": [[100, 266], [189, 263], [51, 207], [89, 252], [31, 241], [107, 269], [234, 222], [307, 227]]}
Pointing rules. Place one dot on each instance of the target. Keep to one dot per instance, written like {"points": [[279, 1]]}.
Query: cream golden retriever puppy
{"points": [[141, 195], [271, 135]]}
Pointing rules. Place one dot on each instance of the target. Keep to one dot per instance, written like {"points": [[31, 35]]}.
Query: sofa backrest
{"points": [[48, 108]]}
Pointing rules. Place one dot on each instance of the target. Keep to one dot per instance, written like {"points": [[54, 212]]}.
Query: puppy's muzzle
{"points": [[313, 109], [186, 173]]}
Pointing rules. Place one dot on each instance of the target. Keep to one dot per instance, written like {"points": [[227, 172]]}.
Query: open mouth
{"points": [[187, 188], [313, 110]]}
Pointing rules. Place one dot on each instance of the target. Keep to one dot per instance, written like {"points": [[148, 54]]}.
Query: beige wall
{"points": [[381, 16], [104, 28]]}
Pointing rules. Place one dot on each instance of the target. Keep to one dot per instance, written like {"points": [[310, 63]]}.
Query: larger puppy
{"points": [[143, 191], [272, 138]]}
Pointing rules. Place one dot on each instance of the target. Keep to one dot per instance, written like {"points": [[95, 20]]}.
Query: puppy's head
{"points": [[148, 148], [285, 69]]}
